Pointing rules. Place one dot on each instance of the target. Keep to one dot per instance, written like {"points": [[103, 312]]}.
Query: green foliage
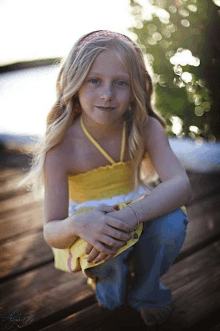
{"points": [[177, 47]]}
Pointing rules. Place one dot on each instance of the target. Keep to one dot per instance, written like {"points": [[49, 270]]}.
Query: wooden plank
{"points": [[15, 202], [195, 284], [24, 254], [7, 174], [203, 224], [205, 216], [28, 218], [9, 179], [9, 188], [216, 328], [204, 184], [43, 293], [15, 158], [8, 194], [94, 318]]}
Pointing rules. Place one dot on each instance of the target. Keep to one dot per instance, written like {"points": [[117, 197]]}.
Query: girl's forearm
{"points": [[61, 233], [165, 198]]}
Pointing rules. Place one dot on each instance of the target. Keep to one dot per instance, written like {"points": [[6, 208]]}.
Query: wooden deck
{"points": [[48, 299]]}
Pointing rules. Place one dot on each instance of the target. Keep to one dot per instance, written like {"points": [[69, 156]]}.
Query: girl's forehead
{"points": [[109, 60]]}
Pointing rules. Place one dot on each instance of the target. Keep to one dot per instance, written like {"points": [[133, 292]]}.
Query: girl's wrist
{"points": [[136, 214], [125, 215]]}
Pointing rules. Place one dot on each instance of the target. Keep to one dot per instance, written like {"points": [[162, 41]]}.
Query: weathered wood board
{"points": [[31, 284], [46, 293]]}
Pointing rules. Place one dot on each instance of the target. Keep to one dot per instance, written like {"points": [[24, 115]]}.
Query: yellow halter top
{"points": [[97, 184], [103, 182]]}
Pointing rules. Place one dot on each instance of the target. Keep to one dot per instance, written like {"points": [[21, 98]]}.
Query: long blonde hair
{"points": [[73, 71]]}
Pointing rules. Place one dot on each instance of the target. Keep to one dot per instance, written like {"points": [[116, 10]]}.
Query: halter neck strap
{"points": [[107, 156]]}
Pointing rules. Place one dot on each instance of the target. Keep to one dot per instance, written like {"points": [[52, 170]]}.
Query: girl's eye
{"points": [[119, 82], [94, 80], [122, 83]]}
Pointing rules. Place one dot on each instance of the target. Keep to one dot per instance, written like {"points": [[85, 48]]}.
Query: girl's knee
{"points": [[173, 225]]}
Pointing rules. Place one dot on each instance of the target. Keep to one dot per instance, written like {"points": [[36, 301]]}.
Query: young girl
{"points": [[102, 136]]}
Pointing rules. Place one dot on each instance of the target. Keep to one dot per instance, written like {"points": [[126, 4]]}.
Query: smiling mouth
{"points": [[106, 108]]}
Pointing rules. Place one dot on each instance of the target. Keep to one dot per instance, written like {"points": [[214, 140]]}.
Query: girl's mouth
{"points": [[106, 109]]}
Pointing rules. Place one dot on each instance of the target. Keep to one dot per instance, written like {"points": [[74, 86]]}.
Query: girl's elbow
{"points": [[189, 192], [187, 188], [46, 238], [46, 234]]}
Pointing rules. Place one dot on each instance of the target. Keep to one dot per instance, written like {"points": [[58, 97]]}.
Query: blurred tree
{"points": [[181, 44]]}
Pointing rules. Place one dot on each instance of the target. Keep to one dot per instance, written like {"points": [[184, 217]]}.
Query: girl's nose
{"points": [[106, 93]]}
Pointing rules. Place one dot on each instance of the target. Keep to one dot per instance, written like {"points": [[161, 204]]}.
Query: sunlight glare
{"points": [[177, 125], [184, 57], [49, 28], [194, 129], [186, 77], [217, 2]]}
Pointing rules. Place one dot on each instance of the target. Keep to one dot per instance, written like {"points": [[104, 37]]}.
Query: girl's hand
{"points": [[101, 230], [95, 256]]}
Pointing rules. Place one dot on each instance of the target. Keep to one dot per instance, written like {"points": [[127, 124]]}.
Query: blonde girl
{"points": [[103, 145]]}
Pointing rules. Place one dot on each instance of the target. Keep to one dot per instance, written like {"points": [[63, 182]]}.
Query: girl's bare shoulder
{"points": [[72, 135], [152, 129], [157, 143], [68, 150], [64, 149]]}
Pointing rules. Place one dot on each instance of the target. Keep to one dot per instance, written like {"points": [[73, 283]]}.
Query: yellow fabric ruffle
{"points": [[74, 259], [101, 183]]}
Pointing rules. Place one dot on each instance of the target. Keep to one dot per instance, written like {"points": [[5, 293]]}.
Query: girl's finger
{"points": [[103, 248], [119, 225], [88, 248], [105, 208], [104, 257], [100, 257], [93, 254]]}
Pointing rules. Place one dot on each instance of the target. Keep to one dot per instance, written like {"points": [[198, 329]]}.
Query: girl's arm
{"points": [[164, 199], [93, 226], [174, 191], [60, 234], [57, 230]]}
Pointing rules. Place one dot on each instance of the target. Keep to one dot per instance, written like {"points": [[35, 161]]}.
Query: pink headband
{"points": [[103, 33]]}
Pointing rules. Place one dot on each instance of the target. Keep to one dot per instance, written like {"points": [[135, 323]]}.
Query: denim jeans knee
{"points": [[155, 252], [172, 235], [111, 286], [170, 224], [171, 228]]}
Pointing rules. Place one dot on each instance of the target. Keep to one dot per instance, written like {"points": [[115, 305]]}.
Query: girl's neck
{"points": [[102, 131]]}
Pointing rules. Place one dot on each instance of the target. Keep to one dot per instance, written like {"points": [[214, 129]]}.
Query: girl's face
{"points": [[106, 93]]}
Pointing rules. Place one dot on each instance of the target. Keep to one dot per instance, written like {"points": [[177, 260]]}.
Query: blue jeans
{"points": [[155, 252]]}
